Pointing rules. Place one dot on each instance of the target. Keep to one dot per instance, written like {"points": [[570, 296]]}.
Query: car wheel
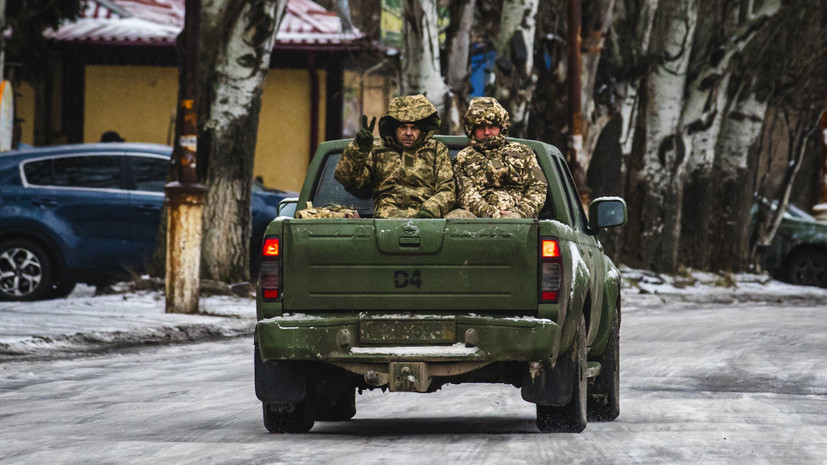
{"points": [[808, 268], [604, 392], [288, 418], [25, 271], [569, 418]]}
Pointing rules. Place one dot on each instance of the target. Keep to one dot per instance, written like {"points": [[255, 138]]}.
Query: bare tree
{"points": [[456, 64], [421, 72], [515, 78], [237, 38]]}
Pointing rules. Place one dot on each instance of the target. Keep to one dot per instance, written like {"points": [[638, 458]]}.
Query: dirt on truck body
{"points": [[347, 304]]}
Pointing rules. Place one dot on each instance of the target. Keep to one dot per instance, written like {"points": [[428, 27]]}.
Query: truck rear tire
{"points": [[604, 395], [299, 420], [569, 418]]}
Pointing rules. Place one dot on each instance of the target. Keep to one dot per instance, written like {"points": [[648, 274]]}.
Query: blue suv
{"points": [[88, 213]]}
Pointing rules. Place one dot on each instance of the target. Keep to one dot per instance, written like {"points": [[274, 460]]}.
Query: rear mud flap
{"points": [[547, 385], [282, 381]]}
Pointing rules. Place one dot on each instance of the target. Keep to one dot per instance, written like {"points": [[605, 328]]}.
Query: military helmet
{"points": [[485, 110]]}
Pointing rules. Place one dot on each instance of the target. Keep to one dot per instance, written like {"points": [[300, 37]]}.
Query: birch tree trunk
{"points": [[457, 73], [692, 82], [420, 53], [597, 19], [662, 150], [515, 79], [237, 39], [717, 99]]}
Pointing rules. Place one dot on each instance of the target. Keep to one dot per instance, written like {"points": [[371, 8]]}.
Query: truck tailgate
{"points": [[410, 264]]}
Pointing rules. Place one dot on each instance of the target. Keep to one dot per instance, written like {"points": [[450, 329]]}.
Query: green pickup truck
{"points": [[414, 304]]}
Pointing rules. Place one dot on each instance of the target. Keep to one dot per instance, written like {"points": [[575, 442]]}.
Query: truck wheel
{"points": [[278, 419], [338, 406], [569, 418], [604, 395], [25, 271]]}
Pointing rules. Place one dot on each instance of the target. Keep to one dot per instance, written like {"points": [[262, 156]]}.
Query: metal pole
{"points": [[575, 101], [185, 197]]}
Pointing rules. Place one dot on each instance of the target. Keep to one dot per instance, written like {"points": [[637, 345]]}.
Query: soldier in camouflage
{"points": [[497, 178], [407, 173]]}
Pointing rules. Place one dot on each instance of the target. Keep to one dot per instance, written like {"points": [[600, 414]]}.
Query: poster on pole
{"points": [[6, 115]]}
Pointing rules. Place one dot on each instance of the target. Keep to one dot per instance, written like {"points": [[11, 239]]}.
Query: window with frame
{"points": [[93, 172], [330, 191], [150, 173]]}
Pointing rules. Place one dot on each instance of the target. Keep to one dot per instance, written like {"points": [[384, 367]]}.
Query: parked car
{"points": [[88, 213], [798, 252]]}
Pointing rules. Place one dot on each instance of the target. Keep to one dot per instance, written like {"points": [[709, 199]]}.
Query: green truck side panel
{"points": [[611, 290]]}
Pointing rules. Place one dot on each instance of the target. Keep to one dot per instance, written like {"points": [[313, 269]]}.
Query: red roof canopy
{"points": [[137, 22]]}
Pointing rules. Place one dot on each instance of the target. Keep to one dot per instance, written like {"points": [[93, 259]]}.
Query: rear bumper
{"points": [[347, 339]]}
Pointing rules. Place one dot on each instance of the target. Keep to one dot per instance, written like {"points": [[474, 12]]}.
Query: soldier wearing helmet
{"points": [[497, 178], [406, 171]]}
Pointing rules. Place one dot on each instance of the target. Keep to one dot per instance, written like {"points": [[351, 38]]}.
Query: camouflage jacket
{"points": [[402, 181], [506, 178]]}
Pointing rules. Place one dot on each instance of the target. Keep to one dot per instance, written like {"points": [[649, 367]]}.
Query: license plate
{"points": [[408, 331]]}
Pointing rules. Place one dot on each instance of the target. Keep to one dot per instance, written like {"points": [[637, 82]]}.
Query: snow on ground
{"points": [[85, 322], [700, 286]]}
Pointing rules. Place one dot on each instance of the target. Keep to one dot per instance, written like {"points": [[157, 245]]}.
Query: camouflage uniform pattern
{"points": [[402, 181], [496, 175], [327, 211]]}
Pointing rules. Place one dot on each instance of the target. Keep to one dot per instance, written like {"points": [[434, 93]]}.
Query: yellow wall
{"points": [[138, 102], [283, 147], [24, 101]]}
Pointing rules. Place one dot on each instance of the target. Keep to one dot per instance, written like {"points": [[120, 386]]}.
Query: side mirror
{"points": [[287, 207], [606, 212]]}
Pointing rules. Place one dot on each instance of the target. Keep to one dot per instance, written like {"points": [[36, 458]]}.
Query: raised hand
{"points": [[364, 138]]}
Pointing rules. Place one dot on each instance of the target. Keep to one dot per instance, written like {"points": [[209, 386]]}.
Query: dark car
{"points": [[87, 213], [798, 252]]}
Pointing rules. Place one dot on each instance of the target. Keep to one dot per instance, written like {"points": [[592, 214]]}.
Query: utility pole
{"points": [[185, 197], [575, 64]]}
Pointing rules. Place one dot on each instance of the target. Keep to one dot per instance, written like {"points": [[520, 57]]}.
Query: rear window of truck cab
{"points": [[327, 190]]}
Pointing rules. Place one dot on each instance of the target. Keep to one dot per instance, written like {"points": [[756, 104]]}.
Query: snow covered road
{"points": [[701, 384]]}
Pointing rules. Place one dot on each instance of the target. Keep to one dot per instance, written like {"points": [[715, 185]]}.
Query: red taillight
{"points": [[548, 295], [550, 248], [269, 274], [270, 247], [551, 270]]}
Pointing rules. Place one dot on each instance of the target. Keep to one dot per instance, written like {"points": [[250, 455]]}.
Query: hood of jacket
{"points": [[416, 109]]}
